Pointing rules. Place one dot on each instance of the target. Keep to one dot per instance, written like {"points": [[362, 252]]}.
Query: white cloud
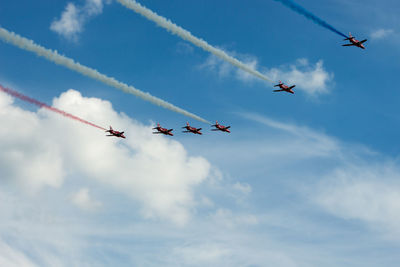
{"points": [[153, 170], [20, 158], [10, 257], [355, 184], [367, 193], [74, 17], [313, 79], [70, 23], [234, 234], [83, 200], [381, 33]]}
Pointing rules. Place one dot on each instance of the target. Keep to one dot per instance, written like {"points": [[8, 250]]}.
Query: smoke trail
{"points": [[295, 7], [53, 56], [43, 105], [186, 35]]}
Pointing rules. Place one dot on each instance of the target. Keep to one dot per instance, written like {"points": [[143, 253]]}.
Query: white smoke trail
{"points": [[186, 35], [53, 56]]}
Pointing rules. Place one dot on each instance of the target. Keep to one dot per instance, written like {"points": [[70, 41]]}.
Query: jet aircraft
{"points": [[284, 88], [161, 130], [354, 42], [115, 133], [219, 127], [190, 129]]}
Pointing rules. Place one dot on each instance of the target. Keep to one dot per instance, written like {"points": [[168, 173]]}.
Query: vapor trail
{"points": [[53, 56], [301, 10], [186, 35], [43, 105]]}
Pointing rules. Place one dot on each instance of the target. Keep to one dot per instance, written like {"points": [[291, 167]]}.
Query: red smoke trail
{"points": [[43, 105]]}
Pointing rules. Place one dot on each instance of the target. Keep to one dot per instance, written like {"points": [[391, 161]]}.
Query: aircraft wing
{"points": [[278, 90], [363, 41], [348, 44]]}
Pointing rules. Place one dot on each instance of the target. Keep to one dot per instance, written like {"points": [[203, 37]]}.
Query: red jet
{"points": [[161, 130], [115, 133], [221, 128], [284, 88], [354, 42], [190, 129]]}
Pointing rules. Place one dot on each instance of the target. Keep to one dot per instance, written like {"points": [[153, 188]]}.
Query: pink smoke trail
{"points": [[43, 105]]}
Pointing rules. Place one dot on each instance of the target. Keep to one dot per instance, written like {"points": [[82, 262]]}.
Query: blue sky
{"points": [[310, 179]]}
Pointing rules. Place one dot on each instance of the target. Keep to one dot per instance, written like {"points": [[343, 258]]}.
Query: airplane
{"points": [[161, 130], [115, 133], [354, 42], [190, 129], [219, 127], [284, 88]]}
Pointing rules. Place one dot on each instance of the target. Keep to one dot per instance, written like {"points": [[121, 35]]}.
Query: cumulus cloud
{"points": [[73, 18], [381, 33], [20, 158], [313, 79], [156, 172]]}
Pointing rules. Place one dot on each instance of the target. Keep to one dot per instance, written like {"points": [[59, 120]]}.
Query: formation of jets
{"points": [[218, 127], [165, 131]]}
